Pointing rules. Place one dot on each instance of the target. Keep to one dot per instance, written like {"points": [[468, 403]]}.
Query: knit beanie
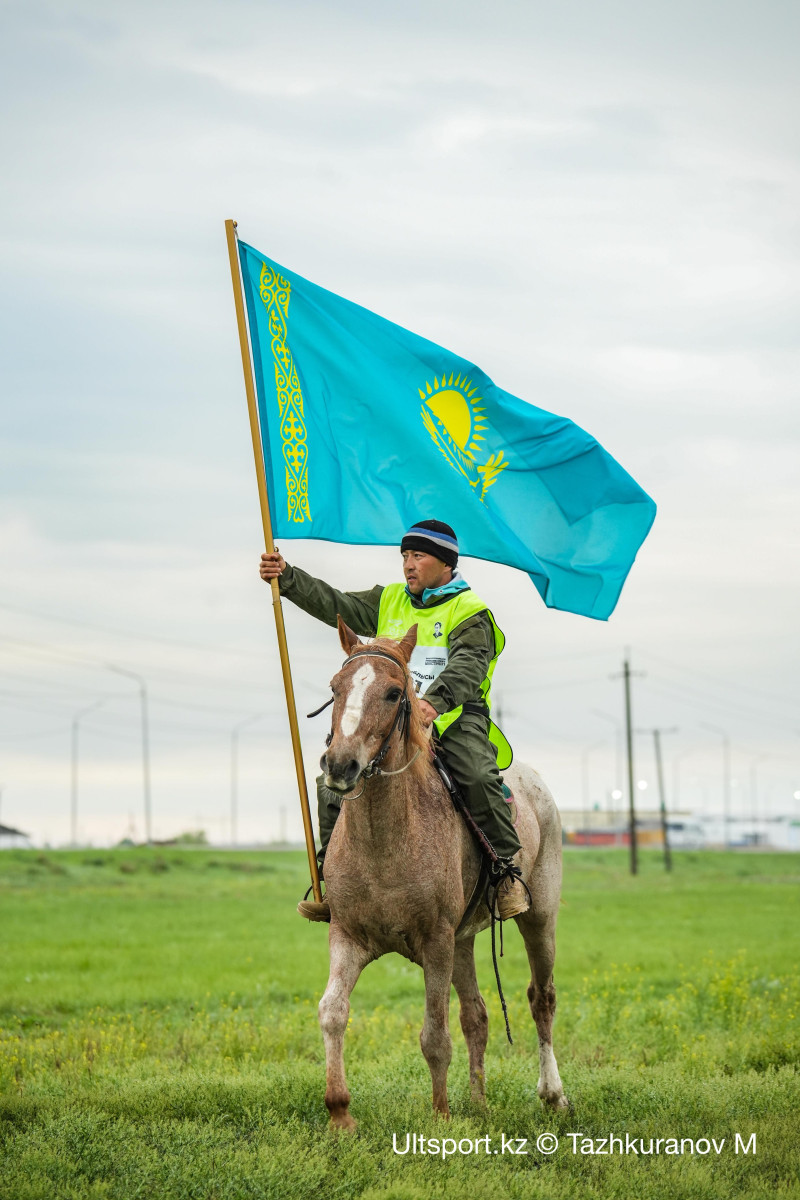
{"points": [[433, 537]]}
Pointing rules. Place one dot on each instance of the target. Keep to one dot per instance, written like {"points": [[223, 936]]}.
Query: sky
{"points": [[596, 203]]}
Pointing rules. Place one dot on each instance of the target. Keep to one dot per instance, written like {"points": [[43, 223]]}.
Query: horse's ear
{"points": [[409, 642], [348, 639]]}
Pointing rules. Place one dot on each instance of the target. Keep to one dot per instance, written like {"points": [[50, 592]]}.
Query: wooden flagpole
{"points": [[255, 433]]}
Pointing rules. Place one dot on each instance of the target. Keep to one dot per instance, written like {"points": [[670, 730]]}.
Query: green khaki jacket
{"points": [[472, 645]]}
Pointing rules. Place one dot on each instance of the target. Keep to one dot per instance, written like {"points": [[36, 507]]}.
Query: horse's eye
{"points": [[394, 695]]}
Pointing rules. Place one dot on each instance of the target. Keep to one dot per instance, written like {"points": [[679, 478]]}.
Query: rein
{"points": [[400, 723]]}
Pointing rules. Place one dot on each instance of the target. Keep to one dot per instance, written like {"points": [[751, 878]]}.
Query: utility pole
{"points": [[626, 672], [627, 675], [661, 795], [662, 804]]}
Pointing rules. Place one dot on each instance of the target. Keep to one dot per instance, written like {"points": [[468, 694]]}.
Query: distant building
{"points": [[598, 828], [646, 835], [686, 831], [784, 833], [13, 839]]}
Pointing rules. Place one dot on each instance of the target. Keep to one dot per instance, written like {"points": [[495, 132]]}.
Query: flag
{"points": [[367, 428]]}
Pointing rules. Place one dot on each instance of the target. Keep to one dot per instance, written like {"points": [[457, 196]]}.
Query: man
{"points": [[458, 644]]}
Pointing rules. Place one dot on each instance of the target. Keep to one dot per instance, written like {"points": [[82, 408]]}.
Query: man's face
{"points": [[424, 571]]}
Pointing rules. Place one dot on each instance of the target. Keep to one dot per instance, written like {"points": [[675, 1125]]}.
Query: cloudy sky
{"points": [[596, 203]]}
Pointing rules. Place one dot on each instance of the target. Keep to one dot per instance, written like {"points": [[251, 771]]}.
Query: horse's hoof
{"points": [[344, 1123], [553, 1099]]}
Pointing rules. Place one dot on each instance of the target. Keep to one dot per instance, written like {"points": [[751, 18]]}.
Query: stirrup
{"points": [[509, 894]]}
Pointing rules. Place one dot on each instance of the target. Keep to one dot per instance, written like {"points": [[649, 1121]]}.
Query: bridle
{"points": [[400, 724]]}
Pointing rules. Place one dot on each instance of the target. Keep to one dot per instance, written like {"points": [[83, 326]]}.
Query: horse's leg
{"points": [[437, 965], [347, 962], [474, 1019], [539, 934]]}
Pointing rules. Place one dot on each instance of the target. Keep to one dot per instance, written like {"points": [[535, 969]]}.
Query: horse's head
{"points": [[373, 697]]}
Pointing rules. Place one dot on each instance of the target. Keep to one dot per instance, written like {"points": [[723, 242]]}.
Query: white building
{"points": [[13, 839]]}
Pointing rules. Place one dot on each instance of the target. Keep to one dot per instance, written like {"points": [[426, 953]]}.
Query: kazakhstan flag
{"points": [[367, 428]]}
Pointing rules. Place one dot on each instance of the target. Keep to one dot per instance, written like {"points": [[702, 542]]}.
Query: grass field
{"points": [[159, 1037]]}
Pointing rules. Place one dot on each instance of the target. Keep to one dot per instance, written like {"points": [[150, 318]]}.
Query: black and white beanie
{"points": [[432, 537]]}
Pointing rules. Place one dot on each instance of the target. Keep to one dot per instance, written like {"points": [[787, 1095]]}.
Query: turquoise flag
{"points": [[368, 428]]}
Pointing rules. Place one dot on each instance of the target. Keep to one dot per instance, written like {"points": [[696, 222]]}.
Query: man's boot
{"points": [[328, 806], [314, 911], [509, 896]]}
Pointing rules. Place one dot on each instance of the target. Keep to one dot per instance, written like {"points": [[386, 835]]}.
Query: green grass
{"points": [[158, 1036]]}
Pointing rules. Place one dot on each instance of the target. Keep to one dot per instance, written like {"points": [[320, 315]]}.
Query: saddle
{"points": [[489, 856]]}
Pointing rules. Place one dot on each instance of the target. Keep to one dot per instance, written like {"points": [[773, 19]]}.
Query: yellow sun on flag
{"points": [[457, 405], [453, 414]]}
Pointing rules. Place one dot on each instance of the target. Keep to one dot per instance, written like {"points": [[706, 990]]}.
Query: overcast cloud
{"points": [[596, 203]]}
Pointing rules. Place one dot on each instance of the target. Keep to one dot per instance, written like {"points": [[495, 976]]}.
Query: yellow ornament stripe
{"points": [[275, 293]]}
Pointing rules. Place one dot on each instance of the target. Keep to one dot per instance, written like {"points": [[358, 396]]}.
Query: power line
{"points": [[41, 702], [70, 657], [725, 685], [690, 695], [142, 637], [35, 681], [552, 687], [33, 737]]}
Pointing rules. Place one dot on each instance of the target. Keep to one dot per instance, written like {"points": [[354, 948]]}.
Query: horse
{"points": [[401, 868]]}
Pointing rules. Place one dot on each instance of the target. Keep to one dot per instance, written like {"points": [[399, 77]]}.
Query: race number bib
{"points": [[426, 663]]}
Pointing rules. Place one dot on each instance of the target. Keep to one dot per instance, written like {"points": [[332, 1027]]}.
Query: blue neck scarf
{"points": [[454, 585]]}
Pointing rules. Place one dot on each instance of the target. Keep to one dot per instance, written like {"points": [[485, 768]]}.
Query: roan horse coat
{"points": [[401, 868]]}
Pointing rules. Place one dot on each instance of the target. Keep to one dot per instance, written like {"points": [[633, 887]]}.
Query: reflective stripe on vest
{"points": [[396, 615]]}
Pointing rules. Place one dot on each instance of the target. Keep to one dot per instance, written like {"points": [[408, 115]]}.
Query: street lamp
{"points": [[145, 744], [676, 759], [585, 778], [754, 790], [235, 769], [73, 824], [617, 743], [726, 780]]}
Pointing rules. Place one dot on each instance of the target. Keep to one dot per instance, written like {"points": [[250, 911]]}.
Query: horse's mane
{"points": [[418, 738]]}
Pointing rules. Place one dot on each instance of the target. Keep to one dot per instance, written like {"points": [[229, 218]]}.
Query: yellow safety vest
{"points": [[397, 614]]}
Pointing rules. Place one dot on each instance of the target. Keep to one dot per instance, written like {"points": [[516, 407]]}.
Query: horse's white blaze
{"points": [[354, 708]]}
